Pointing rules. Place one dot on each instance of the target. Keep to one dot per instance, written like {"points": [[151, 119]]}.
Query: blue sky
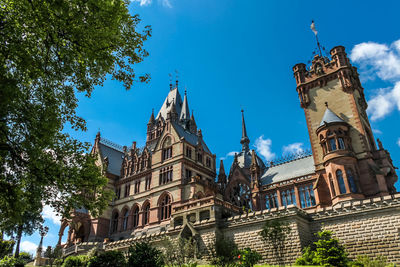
{"points": [[239, 54]]}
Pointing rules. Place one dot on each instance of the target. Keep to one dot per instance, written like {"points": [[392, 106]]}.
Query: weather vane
{"points": [[316, 36]]}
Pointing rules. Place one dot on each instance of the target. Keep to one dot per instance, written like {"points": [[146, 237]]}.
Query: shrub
{"points": [[6, 247], [180, 252], [326, 251], [144, 255], [365, 261], [223, 252], [75, 261], [275, 232], [26, 257], [10, 261], [112, 258], [247, 257]]}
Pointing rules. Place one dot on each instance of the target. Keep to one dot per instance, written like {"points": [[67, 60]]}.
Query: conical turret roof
{"points": [[329, 117]]}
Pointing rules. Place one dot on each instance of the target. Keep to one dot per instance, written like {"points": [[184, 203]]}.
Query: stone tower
{"points": [[347, 162]]}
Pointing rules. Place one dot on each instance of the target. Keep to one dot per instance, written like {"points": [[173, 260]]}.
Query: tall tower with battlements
{"points": [[347, 161]]}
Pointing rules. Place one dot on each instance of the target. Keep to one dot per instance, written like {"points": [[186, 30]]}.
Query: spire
{"points": [[185, 114], [221, 174], [329, 116], [245, 140], [254, 162], [151, 121], [192, 123]]}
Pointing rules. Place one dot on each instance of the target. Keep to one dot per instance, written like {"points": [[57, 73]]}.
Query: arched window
{"points": [[271, 201], [114, 225], [332, 143], [167, 149], [332, 185], [146, 214], [341, 143], [339, 177], [288, 197], [306, 194], [352, 183], [125, 222], [135, 217], [165, 207]]}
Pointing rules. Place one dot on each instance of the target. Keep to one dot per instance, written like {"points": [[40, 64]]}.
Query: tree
{"points": [[326, 251], [179, 252], [109, 258], [275, 232], [223, 252], [6, 247], [53, 254], [51, 51], [144, 255]]}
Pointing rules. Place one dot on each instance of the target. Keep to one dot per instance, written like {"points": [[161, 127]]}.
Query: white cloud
{"points": [[383, 61], [143, 2], [230, 154], [50, 214], [164, 3], [293, 148], [398, 141], [263, 147], [29, 247], [384, 102], [376, 131]]}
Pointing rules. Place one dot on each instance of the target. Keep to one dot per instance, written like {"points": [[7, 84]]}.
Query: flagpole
{"points": [[319, 47]]}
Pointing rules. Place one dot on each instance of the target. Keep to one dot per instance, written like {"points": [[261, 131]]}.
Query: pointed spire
{"points": [[245, 140], [254, 162], [221, 174], [151, 121], [185, 114], [192, 124]]}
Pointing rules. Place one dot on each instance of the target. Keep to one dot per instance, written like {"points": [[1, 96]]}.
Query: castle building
{"points": [[171, 186]]}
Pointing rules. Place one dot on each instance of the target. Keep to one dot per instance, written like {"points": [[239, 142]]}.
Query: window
{"points": [[188, 174], [332, 143], [188, 152], [352, 183], [114, 227], [167, 149], [165, 175], [208, 162], [137, 187], [125, 222], [200, 157], [148, 183], [142, 161], [288, 197], [332, 185], [307, 198], [135, 216], [341, 143], [127, 189], [339, 177], [271, 201], [118, 192], [146, 214], [165, 209]]}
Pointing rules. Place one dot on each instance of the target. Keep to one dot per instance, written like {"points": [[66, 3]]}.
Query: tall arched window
{"points": [[135, 217], [271, 200], [125, 222], [288, 197], [165, 208], [352, 183], [332, 185], [341, 143], [339, 177], [167, 149], [146, 214], [114, 225]]}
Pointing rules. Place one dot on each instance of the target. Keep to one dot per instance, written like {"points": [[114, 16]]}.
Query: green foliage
{"points": [[51, 51], [144, 255], [6, 247], [53, 254], [9, 261], [110, 258], [275, 233], [26, 257], [180, 252], [247, 257], [223, 252], [76, 261], [365, 261], [326, 251]]}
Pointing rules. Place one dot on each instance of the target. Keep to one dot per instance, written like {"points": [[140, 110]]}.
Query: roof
{"points": [[329, 117], [292, 169], [244, 160], [172, 97], [114, 154], [191, 138]]}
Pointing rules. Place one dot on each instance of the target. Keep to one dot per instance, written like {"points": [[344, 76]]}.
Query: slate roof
{"points": [[189, 137], [244, 160], [292, 169], [114, 154], [330, 116], [172, 97]]}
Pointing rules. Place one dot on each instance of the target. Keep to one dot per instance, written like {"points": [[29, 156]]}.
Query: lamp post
{"points": [[42, 231]]}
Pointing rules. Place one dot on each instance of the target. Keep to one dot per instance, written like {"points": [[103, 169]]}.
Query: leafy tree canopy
{"points": [[51, 50]]}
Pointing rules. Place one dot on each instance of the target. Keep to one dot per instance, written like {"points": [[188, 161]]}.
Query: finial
{"points": [[170, 81], [326, 104], [245, 140], [316, 36], [176, 77], [242, 110], [185, 89]]}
